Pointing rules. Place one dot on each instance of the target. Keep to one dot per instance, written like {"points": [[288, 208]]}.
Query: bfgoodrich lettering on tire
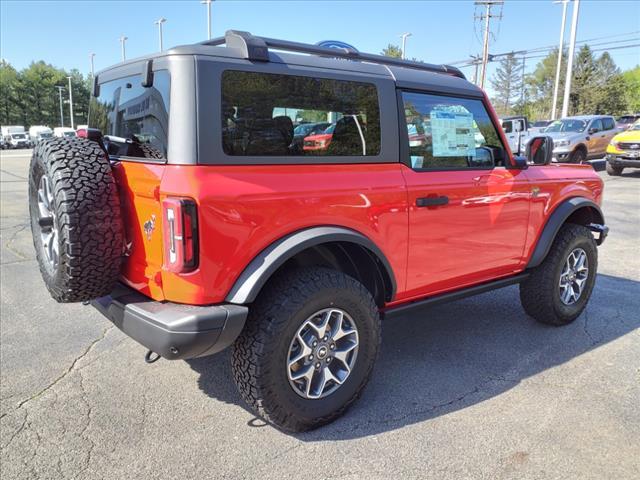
{"points": [[75, 219], [557, 291], [308, 348]]}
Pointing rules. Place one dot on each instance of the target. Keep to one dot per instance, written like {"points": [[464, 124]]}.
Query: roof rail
{"points": [[257, 49]]}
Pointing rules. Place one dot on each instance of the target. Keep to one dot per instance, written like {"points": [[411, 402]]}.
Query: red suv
{"points": [[191, 219]]}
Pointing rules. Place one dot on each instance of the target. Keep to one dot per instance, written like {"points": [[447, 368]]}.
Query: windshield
{"points": [[69, 134], [45, 135], [540, 124], [635, 126], [303, 129], [330, 129], [18, 136], [567, 126], [629, 119]]}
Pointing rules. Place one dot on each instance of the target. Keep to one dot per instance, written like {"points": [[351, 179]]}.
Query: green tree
{"points": [[631, 79], [392, 51], [539, 86], [9, 91], [507, 83]]}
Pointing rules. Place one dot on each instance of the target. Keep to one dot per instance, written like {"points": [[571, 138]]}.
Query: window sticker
{"points": [[417, 161], [453, 134]]}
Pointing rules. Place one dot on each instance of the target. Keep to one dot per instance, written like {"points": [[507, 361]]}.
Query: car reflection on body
{"points": [[319, 141]]}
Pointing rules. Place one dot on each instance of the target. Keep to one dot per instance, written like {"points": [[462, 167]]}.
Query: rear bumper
{"points": [[623, 161], [172, 330]]}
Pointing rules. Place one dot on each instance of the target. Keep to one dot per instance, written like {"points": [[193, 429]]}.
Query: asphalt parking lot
{"points": [[473, 389]]}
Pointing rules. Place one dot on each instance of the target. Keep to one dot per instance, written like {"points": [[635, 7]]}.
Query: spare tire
{"points": [[76, 221]]}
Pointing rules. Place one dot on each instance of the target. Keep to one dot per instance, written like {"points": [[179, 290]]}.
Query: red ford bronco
{"points": [[193, 221]]}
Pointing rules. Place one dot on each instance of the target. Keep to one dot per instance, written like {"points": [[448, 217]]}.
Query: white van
{"points": [[64, 132], [39, 132]]}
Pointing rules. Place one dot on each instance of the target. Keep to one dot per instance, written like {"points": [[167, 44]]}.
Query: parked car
{"points": [[39, 132], [306, 129], [538, 127], [517, 131], [320, 141], [15, 136], [577, 139], [64, 132], [624, 150], [226, 237], [626, 121]]}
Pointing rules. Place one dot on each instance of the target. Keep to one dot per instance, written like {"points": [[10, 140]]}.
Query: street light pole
{"points": [[556, 86], [122, 51], [404, 44], [159, 22], [572, 48], [70, 102], [61, 111], [91, 55], [208, 4]]}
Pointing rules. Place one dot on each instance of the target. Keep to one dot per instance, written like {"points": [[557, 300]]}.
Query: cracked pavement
{"points": [[473, 389]]}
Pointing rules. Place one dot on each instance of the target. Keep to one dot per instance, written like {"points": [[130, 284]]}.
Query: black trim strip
{"points": [[457, 295]]}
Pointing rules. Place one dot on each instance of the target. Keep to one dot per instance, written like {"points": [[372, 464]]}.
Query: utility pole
{"points": [[208, 4], [404, 44], [60, 89], [159, 22], [556, 85], [122, 51], [487, 16], [70, 102], [572, 48], [91, 55]]}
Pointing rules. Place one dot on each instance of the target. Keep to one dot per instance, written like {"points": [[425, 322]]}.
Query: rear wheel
{"points": [[614, 171], [75, 219], [308, 348], [557, 291]]}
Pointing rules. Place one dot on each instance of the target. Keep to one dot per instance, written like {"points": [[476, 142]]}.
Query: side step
{"points": [[452, 296]]}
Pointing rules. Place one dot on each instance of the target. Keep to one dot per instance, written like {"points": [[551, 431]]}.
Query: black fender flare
{"points": [[255, 275], [557, 218]]}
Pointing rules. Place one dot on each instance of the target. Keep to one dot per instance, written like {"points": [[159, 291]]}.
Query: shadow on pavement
{"points": [[450, 357]]}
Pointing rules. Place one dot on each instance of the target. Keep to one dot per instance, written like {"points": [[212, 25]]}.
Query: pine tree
{"points": [[507, 83], [392, 51]]}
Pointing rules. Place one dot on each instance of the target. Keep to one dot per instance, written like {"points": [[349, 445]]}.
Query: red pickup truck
{"points": [[192, 221]]}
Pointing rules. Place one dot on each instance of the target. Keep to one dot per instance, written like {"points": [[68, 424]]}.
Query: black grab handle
{"points": [[432, 201]]}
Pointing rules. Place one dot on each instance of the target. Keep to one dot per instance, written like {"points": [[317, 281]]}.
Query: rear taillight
{"points": [[180, 227]]}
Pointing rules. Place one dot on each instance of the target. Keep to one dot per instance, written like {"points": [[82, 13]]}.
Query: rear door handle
{"points": [[432, 201]]}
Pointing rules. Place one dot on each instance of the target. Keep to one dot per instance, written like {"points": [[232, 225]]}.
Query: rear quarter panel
{"points": [[243, 209]]}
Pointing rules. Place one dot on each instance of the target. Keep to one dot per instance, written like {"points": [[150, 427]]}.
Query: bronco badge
{"points": [[149, 226]]}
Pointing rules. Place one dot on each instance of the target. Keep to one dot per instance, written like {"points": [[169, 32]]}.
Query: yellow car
{"points": [[624, 150]]}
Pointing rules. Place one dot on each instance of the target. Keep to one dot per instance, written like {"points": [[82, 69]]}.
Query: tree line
{"points": [[597, 86], [30, 96]]}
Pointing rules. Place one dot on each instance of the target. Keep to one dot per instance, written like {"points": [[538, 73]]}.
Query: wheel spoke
{"points": [[305, 351], [321, 330]]}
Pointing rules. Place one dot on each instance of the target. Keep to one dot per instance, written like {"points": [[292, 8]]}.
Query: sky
{"points": [[63, 33]]}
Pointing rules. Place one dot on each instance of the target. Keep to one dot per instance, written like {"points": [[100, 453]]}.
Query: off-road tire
{"points": [[87, 216], [614, 171], [539, 293], [259, 357], [579, 155]]}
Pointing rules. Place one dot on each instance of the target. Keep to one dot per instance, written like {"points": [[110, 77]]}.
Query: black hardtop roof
{"points": [[243, 45]]}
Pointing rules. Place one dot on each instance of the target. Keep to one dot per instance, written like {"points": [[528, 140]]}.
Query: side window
{"points": [[266, 114], [448, 132], [596, 125], [135, 119], [608, 123], [507, 126]]}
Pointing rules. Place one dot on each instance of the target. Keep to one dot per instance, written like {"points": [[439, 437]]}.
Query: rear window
{"points": [[134, 119], [271, 115]]}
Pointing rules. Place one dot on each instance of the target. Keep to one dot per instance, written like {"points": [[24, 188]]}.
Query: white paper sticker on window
{"points": [[453, 134]]}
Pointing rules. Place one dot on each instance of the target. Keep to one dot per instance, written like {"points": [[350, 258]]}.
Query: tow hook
{"points": [[151, 356], [603, 230]]}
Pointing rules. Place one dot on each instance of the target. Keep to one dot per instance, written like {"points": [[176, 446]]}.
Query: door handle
{"points": [[432, 201]]}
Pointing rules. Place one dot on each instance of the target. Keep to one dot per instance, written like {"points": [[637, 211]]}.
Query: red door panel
{"points": [[477, 236]]}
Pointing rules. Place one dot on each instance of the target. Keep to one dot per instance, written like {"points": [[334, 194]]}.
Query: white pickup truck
{"points": [[517, 132]]}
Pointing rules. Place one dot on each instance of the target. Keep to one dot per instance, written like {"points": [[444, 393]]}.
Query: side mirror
{"points": [[593, 130], [539, 150]]}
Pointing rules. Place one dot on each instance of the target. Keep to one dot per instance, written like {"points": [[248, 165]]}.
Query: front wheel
{"points": [[308, 348], [613, 171], [557, 291], [578, 156]]}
